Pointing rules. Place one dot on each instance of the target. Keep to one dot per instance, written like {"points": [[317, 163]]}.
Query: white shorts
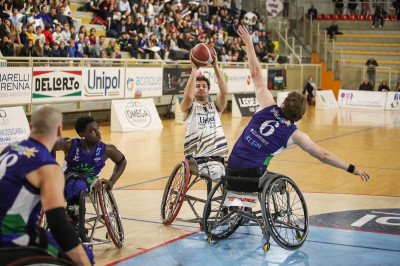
{"points": [[213, 169]]}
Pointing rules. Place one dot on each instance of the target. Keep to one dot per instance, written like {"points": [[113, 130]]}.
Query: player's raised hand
{"points": [[245, 35]]}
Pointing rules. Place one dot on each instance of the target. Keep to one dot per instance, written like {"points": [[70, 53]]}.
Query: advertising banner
{"points": [[175, 80], [237, 80], [326, 100], [244, 104], [392, 100], [148, 80], [13, 125], [103, 83], [56, 84], [15, 85], [135, 114], [362, 99], [276, 79]]}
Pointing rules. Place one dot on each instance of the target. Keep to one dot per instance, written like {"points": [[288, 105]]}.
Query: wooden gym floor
{"points": [[368, 139]]}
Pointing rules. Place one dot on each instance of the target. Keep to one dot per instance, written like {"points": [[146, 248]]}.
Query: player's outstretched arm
{"points": [[263, 95], [222, 96], [188, 94], [120, 164], [304, 141], [63, 144]]}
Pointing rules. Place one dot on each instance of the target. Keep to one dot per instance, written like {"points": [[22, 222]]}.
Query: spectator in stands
{"points": [[46, 49], [7, 46], [379, 15], [332, 30], [12, 31], [364, 7], [2, 29], [55, 52], [383, 86], [371, 64], [366, 86], [44, 16], [82, 29], [38, 48], [124, 6], [66, 34], [63, 49], [104, 16], [27, 49], [338, 6], [47, 34], [62, 18], [39, 35], [260, 52], [396, 5], [14, 18], [81, 46], [352, 6], [92, 37], [126, 45], [312, 12], [23, 36], [138, 95], [98, 47], [57, 36], [270, 50], [310, 90], [72, 31], [94, 6], [71, 50]]}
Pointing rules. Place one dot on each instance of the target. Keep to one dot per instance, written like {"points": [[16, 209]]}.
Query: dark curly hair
{"points": [[82, 122], [294, 106], [203, 78]]}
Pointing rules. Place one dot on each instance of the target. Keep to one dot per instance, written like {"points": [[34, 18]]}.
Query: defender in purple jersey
{"points": [[272, 128], [30, 179]]}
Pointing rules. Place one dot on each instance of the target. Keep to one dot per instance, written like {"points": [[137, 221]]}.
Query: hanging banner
{"points": [[362, 99], [392, 100], [56, 84], [148, 80], [175, 80], [244, 104], [274, 7], [325, 100], [13, 125], [15, 85], [135, 114], [103, 83]]}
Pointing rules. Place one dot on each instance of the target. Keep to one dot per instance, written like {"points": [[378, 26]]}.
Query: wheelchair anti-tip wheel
{"points": [[285, 212], [110, 213], [175, 192], [219, 221]]}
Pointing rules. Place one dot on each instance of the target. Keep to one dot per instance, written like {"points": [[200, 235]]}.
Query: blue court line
{"points": [[144, 182]]}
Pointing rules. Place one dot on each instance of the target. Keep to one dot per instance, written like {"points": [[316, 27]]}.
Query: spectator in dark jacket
{"points": [[7, 47], [27, 49], [366, 86], [379, 14], [312, 12]]}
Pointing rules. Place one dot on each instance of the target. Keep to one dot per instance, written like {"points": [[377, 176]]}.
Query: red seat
{"points": [[321, 17], [329, 17], [353, 17], [394, 17], [346, 17], [370, 17], [387, 17], [362, 17], [337, 17]]}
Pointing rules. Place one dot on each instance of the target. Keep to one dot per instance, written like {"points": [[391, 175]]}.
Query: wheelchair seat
{"points": [[26, 255], [247, 179]]}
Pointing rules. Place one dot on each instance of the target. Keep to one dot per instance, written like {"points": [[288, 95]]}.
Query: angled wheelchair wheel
{"points": [[285, 212], [40, 260], [175, 192], [110, 213], [219, 222]]}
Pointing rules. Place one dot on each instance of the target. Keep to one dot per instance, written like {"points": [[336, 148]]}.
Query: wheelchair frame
{"points": [[283, 213], [106, 215], [183, 177]]}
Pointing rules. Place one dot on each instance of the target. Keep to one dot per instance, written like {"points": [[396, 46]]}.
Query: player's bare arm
{"points": [[263, 95], [63, 144], [120, 164], [188, 94], [222, 96], [305, 142]]}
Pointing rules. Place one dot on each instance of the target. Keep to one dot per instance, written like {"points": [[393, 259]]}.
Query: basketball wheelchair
{"points": [[183, 177], [249, 197], [105, 214]]}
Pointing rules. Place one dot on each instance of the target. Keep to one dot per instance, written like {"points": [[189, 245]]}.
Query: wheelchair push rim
{"points": [[110, 213], [285, 212], [219, 222], [175, 192]]}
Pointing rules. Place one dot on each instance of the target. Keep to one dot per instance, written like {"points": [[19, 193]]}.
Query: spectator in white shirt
{"points": [[123, 6], [39, 35], [66, 34], [57, 37]]}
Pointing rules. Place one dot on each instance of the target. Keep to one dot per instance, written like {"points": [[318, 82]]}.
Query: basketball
{"points": [[203, 54]]}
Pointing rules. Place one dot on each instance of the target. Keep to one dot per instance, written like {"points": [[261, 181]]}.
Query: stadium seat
{"points": [[394, 17], [346, 17], [362, 17], [370, 17], [321, 17], [329, 17], [337, 17], [353, 17], [387, 17]]}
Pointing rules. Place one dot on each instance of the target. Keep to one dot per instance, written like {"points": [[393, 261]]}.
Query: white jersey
{"points": [[204, 133]]}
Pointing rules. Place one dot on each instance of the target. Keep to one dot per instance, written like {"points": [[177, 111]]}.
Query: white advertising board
{"points": [[103, 83], [362, 99], [148, 80], [392, 100], [325, 100], [56, 84], [134, 114], [15, 85], [13, 125], [237, 80]]}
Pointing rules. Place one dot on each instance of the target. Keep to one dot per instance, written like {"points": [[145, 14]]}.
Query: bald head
{"points": [[45, 121]]}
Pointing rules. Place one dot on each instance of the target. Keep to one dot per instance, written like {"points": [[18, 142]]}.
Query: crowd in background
{"points": [[151, 29]]}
